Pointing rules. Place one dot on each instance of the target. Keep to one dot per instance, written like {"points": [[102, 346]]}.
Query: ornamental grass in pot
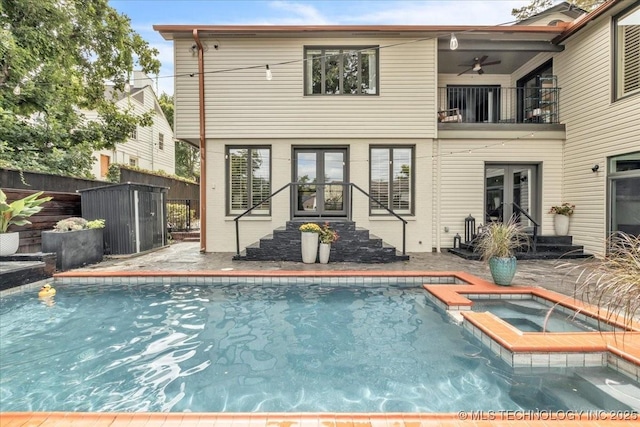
{"points": [[497, 244]]}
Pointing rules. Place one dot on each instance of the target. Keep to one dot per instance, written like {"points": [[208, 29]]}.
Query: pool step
{"points": [[611, 390], [355, 244]]}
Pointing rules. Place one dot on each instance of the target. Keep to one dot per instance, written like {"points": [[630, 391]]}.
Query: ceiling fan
{"points": [[477, 65]]}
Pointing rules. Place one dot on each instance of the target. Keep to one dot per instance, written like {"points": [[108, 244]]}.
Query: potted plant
{"points": [[75, 241], [327, 237], [16, 213], [497, 244], [309, 234], [561, 218]]}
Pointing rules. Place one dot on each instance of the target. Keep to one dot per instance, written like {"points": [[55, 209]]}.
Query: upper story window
{"points": [[627, 53], [161, 141], [341, 70], [134, 134]]}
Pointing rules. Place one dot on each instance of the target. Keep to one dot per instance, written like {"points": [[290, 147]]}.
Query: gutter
{"points": [[582, 22], [203, 145]]}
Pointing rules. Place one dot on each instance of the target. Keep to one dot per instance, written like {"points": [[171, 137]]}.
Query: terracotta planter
{"points": [[323, 255], [9, 243], [309, 246], [561, 225]]}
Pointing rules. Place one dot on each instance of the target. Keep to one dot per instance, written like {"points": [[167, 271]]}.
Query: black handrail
{"points": [[535, 224], [350, 184]]}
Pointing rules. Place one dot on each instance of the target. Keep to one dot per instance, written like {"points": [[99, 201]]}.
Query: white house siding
{"points": [[596, 128], [145, 146], [459, 178], [243, 104], [221, 229]]}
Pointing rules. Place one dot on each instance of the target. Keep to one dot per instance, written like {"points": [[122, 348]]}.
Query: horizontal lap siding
{"points": [[461, 178], [596, 128], [243, 104]]}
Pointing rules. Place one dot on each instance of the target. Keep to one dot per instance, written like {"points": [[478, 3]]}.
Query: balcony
{"points": [[459, 106]]}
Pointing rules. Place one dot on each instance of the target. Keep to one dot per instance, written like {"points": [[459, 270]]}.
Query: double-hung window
{"points": [[248, 179], [391, 179], [348, 70], [627, 53]]}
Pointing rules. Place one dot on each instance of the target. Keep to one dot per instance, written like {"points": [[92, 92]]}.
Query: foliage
{"points": [[612, 283], [18, 211], [76, 223], [537, 6], [187, 156], [177, 215], [501, 239], [113, 174], [55, 59], [565, 209], [310, 227], [327, 235]]}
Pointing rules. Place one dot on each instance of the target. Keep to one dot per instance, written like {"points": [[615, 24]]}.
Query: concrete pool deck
{"points": [[185, 258]]}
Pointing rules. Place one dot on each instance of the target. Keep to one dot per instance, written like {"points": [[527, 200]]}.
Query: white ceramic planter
{"points": [[9, 243], [309, 246], [561, 225], [323, 255]]}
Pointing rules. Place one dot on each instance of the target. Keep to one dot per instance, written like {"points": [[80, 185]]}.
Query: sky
{"points": [[146, 13]]}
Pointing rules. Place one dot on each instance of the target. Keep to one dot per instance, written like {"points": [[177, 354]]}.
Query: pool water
{"points": [[530, 315], [237, 348]]}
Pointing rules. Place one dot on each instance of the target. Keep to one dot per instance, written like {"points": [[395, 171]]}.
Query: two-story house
{"points": [[149, 147], [434, 123]]}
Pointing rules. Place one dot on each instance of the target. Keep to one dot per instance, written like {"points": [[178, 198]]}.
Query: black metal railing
{"points": [[183, 214], [347, 187], [495, 104], [518, 209]]}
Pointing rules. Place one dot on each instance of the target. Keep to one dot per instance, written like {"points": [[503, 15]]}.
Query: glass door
{"points": [[509, 191], [624, 194], [321, 175]]}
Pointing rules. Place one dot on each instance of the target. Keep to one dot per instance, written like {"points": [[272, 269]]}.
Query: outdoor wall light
{"points": [[595, 168]]}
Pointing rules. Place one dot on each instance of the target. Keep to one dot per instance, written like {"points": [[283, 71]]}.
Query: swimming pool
{"points": [[310, 347]]}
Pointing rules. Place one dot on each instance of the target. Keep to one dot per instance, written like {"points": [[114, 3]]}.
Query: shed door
{"points": [[151, 220]]}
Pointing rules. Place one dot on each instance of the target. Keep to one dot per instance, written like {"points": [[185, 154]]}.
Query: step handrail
{"points": [[535, 224], [350, 184]]}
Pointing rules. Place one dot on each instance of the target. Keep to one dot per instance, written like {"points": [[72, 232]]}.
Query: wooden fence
{"points": [[62, 206]]}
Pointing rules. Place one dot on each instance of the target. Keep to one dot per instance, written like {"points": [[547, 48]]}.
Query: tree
{"points": [[55, 58], [537, 6], [187, 156]]}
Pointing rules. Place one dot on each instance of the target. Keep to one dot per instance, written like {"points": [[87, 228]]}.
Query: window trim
{"points": [[160, 141], [391, 147], [342, 48], [227, 184], [616, 90]]}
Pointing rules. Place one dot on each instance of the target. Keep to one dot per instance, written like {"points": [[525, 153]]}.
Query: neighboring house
{"points": [[527, 115], [151, 147]]}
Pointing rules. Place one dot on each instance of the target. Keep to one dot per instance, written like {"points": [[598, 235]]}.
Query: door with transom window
{"points": [[320, 175]]}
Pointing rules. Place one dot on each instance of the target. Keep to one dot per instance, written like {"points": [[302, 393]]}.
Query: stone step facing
{"points": [[355, 244], [547, 247]]}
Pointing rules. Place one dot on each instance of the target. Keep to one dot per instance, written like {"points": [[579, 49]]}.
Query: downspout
{"points": [[203, 145]]}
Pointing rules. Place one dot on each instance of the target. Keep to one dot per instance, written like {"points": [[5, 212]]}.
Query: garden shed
{"points": [[135, 216]]}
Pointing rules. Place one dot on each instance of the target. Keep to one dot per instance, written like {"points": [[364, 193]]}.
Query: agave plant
{"points": [[612, 282]]}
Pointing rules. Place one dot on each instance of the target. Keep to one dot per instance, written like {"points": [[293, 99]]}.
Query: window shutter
{"points": [[260, 182], [238, 180], [631, 59]]}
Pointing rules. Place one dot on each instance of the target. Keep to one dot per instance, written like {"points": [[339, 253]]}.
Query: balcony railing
{"points": [[495, 104]]}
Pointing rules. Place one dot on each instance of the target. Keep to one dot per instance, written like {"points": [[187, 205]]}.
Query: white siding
{"points": [[221, 228], [243, 104], [596, 128], [459, 179]]}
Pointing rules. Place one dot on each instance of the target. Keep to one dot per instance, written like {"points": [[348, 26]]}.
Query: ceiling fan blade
{"points": [[481, 60], [491, 63], [468, 69]]}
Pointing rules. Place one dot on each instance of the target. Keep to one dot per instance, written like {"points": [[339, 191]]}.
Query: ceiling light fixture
{"points": [[453, 43], [477, 67]]}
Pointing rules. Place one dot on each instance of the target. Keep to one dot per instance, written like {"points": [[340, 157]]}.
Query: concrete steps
{"points": [[547, 247], [355, 244]]}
